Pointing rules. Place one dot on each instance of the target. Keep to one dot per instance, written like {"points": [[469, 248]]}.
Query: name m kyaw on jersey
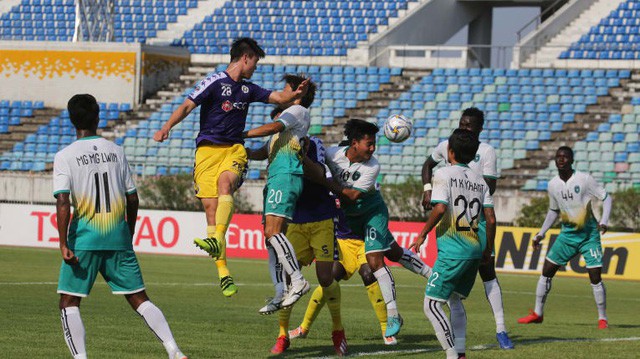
{"points": [[466, 184]]}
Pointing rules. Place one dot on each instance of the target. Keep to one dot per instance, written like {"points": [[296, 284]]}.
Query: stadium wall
{"points": [[112, 72], [167, 232]]}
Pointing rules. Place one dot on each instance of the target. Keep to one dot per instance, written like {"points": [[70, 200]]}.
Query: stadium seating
{"points": [[616, 37], [11, 112], [611, 154], [522, 107], [292, 28], [135, 20], [39, 148]]}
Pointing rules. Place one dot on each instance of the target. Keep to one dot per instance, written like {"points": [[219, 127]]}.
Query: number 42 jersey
{"points": [[96, 173], [466, 194]]}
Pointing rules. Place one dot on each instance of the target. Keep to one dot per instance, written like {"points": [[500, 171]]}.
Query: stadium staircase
{"points": [[27, 125], [536, 160], [552, 50]]}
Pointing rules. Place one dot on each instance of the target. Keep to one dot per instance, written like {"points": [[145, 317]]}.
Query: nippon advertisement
{"points": [[170, 232]]}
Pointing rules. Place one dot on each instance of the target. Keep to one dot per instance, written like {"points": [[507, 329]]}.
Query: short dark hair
{"points": [[356, 129], [475, 114], [294, 81], [464, 144], [275, 112], [566, 148], [245, 45], [84, 112]]}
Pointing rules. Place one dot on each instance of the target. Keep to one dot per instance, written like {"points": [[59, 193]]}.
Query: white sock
{"points": [[494, 296], [276, 272], [73, 330], [600, 294], [388, 289], [412, 262], [156, 321], [543, 288], [442, 327], [286, 256], [458, 323]]}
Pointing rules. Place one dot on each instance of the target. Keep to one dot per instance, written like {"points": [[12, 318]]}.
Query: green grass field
{"points": [[207, 325]]}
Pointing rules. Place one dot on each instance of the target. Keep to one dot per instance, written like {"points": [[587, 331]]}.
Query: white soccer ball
{"points": [[397, 128]]}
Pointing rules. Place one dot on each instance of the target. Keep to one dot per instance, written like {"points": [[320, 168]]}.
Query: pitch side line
{"points": [[266, 284], [488, 346]]}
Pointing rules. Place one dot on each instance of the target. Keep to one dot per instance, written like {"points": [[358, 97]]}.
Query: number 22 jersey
{"points": [[96, 173], [466, 194]]}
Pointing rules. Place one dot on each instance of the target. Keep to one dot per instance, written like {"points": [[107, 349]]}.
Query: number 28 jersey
{"points": [[466, 194], [96, 174]]}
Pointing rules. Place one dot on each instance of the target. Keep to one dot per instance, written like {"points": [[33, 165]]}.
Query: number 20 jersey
{"points": [[96, 173], [466, 194]]}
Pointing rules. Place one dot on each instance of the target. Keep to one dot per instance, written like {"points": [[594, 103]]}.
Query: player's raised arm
{"points": [[427, 173], [267, 129], [176, 117], [288, 95]]}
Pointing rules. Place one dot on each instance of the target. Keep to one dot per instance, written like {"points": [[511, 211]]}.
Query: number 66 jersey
{"points": [[466, 194], [96, 173]]}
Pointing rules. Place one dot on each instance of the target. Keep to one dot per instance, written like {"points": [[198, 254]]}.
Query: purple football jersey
{"points": [[224, 104]]}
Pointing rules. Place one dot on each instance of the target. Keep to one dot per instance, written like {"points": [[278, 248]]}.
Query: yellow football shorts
{"points": [[313, 240], [211, 161], [352, 255]]}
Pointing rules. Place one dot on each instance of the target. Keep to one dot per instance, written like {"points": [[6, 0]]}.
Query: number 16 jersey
{"points": [[466, 194], [96, 174]]}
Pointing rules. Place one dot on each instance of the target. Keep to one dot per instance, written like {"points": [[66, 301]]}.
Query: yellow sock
{"points": [[221, 262], [378, 304], [332, 297], [283, 321], [223, 270], [224, 212], [313, 308]]}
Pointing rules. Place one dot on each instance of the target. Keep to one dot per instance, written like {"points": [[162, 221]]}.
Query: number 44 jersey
{"points": [[96, 173], [466, 194]]}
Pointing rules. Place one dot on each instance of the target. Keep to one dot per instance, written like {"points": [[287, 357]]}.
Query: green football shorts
{"points": [[119, 269], [567, 245], [281, 194], [452, 276]]}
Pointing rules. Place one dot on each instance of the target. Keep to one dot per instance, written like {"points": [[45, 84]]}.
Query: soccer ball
{"points": [[397, 128]]}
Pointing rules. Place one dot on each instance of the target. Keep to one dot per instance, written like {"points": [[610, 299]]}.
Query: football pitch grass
{"points": [[208, 325]]}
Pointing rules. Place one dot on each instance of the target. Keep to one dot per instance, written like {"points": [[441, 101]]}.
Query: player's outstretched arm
{"points": [[436, 215], [490, 216], [548, 222], [267, 129], [427, 173], [606, 211], [132, 212], [63, 214], [176, 117], [259, 154], [287, 96]]}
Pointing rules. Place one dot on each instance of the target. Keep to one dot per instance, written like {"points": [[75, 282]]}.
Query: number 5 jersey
{"points": [[96, 173]]}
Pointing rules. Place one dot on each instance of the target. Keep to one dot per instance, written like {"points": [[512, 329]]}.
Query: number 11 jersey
{"points": [[96, 173], [466, 194]]}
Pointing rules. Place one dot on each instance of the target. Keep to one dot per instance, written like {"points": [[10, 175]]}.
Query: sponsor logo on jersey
{"points": [[227, 106], [245, 89], [240, 105], [577, 189], [477, 158]]}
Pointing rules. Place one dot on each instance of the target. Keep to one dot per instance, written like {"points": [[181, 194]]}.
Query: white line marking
{"points": [[488, 346]]}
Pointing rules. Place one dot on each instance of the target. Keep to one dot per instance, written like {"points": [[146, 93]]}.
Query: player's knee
{"points": [[487, 272], [367, 275], [595, 276], [136, 299], [67, 301]]}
